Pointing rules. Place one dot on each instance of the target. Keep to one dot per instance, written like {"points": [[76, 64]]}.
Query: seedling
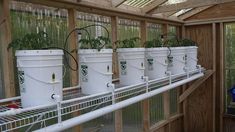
{"points": [[95, 43], [153, 43], [127, 43], [188, 42], [31, 41]]}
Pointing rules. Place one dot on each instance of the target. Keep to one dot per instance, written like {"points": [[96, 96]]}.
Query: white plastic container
{"points": [[131, 65], [192, 60], [95, 70], [40, 76], [178, 63], [156, 62]]}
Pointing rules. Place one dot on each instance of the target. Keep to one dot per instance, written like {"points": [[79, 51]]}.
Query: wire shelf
{"points": [[74, 101]]}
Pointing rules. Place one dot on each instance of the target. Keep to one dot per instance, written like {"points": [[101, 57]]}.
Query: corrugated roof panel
{"points": [[182, 11], [137, 3]]}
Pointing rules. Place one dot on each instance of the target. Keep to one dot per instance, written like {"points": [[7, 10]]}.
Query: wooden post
{"points": [[145, 103], [72, 46], [214, 69], [114, 25], [222, 62], [143, 30], [6, 56], [117, 113], [166, 96]]}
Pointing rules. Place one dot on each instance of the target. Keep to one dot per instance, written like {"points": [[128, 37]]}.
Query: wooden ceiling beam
{"points": [[104, 10], [188, 4], [193, 12], [152, 5], [116, 3], [168, 14]]}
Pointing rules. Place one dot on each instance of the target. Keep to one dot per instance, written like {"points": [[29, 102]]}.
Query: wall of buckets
{"points": [[40, 71]]}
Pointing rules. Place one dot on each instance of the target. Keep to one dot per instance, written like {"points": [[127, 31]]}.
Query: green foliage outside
{"points": [[229, 60]]}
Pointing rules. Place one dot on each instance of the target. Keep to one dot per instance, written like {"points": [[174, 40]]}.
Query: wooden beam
{"points": [[116, 3], [118, 113], [143, 32], [193, 12], [222, 75], [104, 10], [209, 21], [145, 103], [188, 4], [214, 75], [118, 121], [195, 85], [166, 104], [6, 56], [146, 115], [168, 14], [130, 8], [154, 4], [163, 123], [114, 25], [72, 46]]}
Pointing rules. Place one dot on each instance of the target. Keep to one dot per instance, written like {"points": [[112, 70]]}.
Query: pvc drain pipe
{"points": [[100, 112]]}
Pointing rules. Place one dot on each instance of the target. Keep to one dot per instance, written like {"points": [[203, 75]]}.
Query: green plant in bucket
{"points": [[31, 41], [95, 43], [153, 43], [127, 43]]}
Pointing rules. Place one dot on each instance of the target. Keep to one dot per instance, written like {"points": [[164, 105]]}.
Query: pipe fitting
{"points": [[56, 97]]}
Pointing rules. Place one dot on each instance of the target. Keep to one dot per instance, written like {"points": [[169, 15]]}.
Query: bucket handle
{"points": [[195, 59], [139, 68], [52, 82], [103, 73], [164, 64], [184, 60]]}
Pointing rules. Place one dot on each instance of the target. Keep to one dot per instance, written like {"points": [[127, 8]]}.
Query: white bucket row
{"points": [[40, 71], [134, 63]]}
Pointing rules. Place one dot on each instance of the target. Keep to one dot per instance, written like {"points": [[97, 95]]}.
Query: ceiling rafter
{"points": [[116, 3], [193, 12], [147, 8], [188, 4], [168, 14]]}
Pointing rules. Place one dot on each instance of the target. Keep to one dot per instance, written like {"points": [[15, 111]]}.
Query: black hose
{"points": [[65, 58]]}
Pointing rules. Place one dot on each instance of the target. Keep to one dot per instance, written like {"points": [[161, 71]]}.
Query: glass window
{"points": [[230, 66]]}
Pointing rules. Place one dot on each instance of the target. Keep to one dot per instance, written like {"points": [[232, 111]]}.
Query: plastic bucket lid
{"points": [[94, 51], [130, 50], [38, 52]]}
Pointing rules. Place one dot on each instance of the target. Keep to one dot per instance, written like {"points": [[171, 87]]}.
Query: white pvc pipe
{"points": [[100, 112], [9, 99]]}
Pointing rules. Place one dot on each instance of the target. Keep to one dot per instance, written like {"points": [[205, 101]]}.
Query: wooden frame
{"points": [[104, 10]]}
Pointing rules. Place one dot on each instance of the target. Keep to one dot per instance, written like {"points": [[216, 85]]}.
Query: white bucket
{"points": [[177, 66], [40, 76], [192, 60], [95, 70], [131, 65], [156, 62]]}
